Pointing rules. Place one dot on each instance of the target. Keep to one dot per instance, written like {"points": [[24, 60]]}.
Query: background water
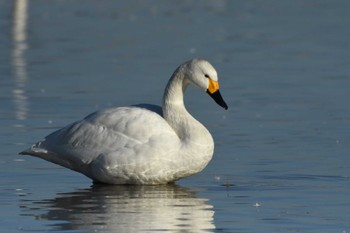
{"points": [[281, 162]]}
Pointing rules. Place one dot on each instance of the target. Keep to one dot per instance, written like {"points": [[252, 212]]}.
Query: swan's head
{"points": [[202, 74]]}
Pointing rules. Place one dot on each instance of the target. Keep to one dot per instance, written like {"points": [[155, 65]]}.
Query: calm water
{"points": [[281, 162]]}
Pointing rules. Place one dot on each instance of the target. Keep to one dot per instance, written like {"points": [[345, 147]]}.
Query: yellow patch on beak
{"points": [[213, 86]]}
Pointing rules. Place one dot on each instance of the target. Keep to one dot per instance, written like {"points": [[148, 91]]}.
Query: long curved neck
{"points": [[174, 95], [175, 113]]}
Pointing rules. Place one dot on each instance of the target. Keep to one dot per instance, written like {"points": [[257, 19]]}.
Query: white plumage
{"points": [[142, 144]]}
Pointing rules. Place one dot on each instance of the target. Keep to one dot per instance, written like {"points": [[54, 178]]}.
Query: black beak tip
{"points": [[218, 99], [223, 104]]}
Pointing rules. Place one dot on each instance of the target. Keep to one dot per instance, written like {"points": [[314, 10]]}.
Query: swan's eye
{"points": [[207, 76]]}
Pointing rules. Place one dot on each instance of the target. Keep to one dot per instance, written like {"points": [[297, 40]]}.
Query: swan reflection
{"points": [[19, 63], [127, 209]]}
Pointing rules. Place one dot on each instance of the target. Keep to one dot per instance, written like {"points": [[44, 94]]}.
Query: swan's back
{"points": [[115, 140]]}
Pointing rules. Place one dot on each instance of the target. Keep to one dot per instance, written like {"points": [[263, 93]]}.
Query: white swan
{"points": [[142, 144]]}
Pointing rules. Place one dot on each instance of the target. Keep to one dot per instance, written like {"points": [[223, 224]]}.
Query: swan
{"points": [[142, 144]]}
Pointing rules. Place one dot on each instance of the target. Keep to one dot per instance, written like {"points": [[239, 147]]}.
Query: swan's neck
{"points": [[197, 145], [174, 112]]}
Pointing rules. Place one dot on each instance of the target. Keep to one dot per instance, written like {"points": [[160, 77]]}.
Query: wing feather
{"points": [[120, 132]]}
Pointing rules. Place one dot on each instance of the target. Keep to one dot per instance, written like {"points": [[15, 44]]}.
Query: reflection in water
{"points": [[125, 209], [19, 37]]}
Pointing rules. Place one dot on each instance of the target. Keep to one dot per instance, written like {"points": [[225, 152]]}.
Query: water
{"points": [[281, 159]]}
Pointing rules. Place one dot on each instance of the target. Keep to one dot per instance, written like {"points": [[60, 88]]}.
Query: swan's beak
{"points": [[213, 91]]}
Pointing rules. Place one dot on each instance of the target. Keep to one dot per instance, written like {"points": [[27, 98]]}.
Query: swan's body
{"points": [[139, 144]]}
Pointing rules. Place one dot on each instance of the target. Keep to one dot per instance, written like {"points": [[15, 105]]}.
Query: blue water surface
{"points": [[281, 161]]}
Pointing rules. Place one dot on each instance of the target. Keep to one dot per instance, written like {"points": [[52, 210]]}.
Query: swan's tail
{"points": [[39, 150], [34, 151]]}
